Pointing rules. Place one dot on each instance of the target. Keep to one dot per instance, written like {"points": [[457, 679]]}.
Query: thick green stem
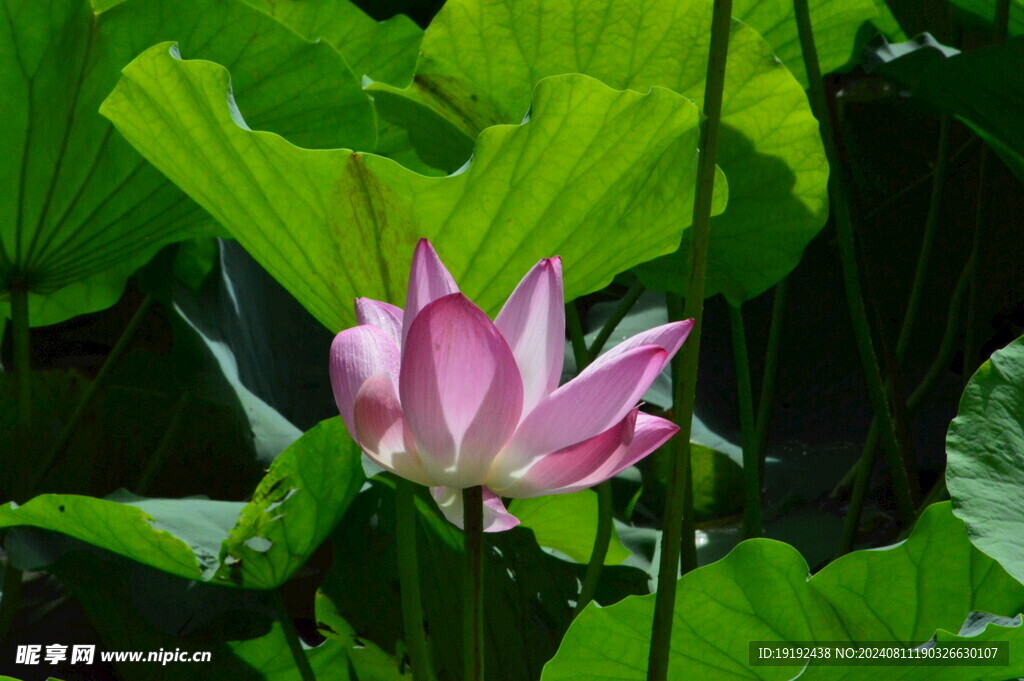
{"points": [[22, 364], [847, 251], [163, 450], [862, 476], [748, 438], [576, 338], [766, 399], [861, 472], [947, 347], [928, 241], [306, 672], [972, 349], [473, 584], [621, 310], [971, 342], [910, 315], [10, 599], [679, 502], [601, 542], [584, 356], [409, 580], [51, 457]]}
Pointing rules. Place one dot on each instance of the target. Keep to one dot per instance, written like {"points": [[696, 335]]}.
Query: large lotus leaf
{"points": [[925, 586], [134, 421], [84, 208], [183, 405], [480, 59], [982, 88], [567, 523], [384, 50], [985, 469], [246, 644], [528, 594], [836, 23], [258, 545], [602, 177], [986, 10]]}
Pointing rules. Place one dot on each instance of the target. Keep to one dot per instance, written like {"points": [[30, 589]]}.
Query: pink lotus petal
{"points": [[496, 517], [569, 464], [590, 404], [428, 281], [533, 323], [649, 433], [357, 354], [460, 390], [381, 431], [385, 316], [668, 336]]}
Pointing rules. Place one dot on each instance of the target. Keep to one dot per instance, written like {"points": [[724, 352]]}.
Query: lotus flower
{"points": [[441, 395]]}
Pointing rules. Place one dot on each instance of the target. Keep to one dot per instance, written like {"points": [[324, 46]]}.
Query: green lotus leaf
{"points": [[84, 209], [481, 58], [384, 50], [258, 545], [134, 608], [928, 585], [567, 523], [603, 178], [985, 10], [982, 88], [836, 23], [529, 595], [985, 449]]}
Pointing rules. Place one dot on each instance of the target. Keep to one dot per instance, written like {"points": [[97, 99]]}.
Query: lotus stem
{"points": [[1000, 30], [605, 520], [971, 342], [409, 580], [306, 672], [163, 450], [602, 539], [473, 588], [920, 272], [928, 241], [748, 438], [50, 459], [851, 277], [576, 338], [22, 364], [766, 399], [633, 294], [861, 471], [679, 504], [10, 598]]}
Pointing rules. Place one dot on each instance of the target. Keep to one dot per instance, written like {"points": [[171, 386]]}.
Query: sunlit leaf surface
{"points": [[927, 586], [481, 58], [602, 178], [82, 209]]}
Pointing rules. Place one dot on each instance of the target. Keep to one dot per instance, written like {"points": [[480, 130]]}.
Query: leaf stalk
{"points": [[839, 187], [306, 672], [473, 587], [748, 438], [50, 458], [409, 581], [679, 503]]}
